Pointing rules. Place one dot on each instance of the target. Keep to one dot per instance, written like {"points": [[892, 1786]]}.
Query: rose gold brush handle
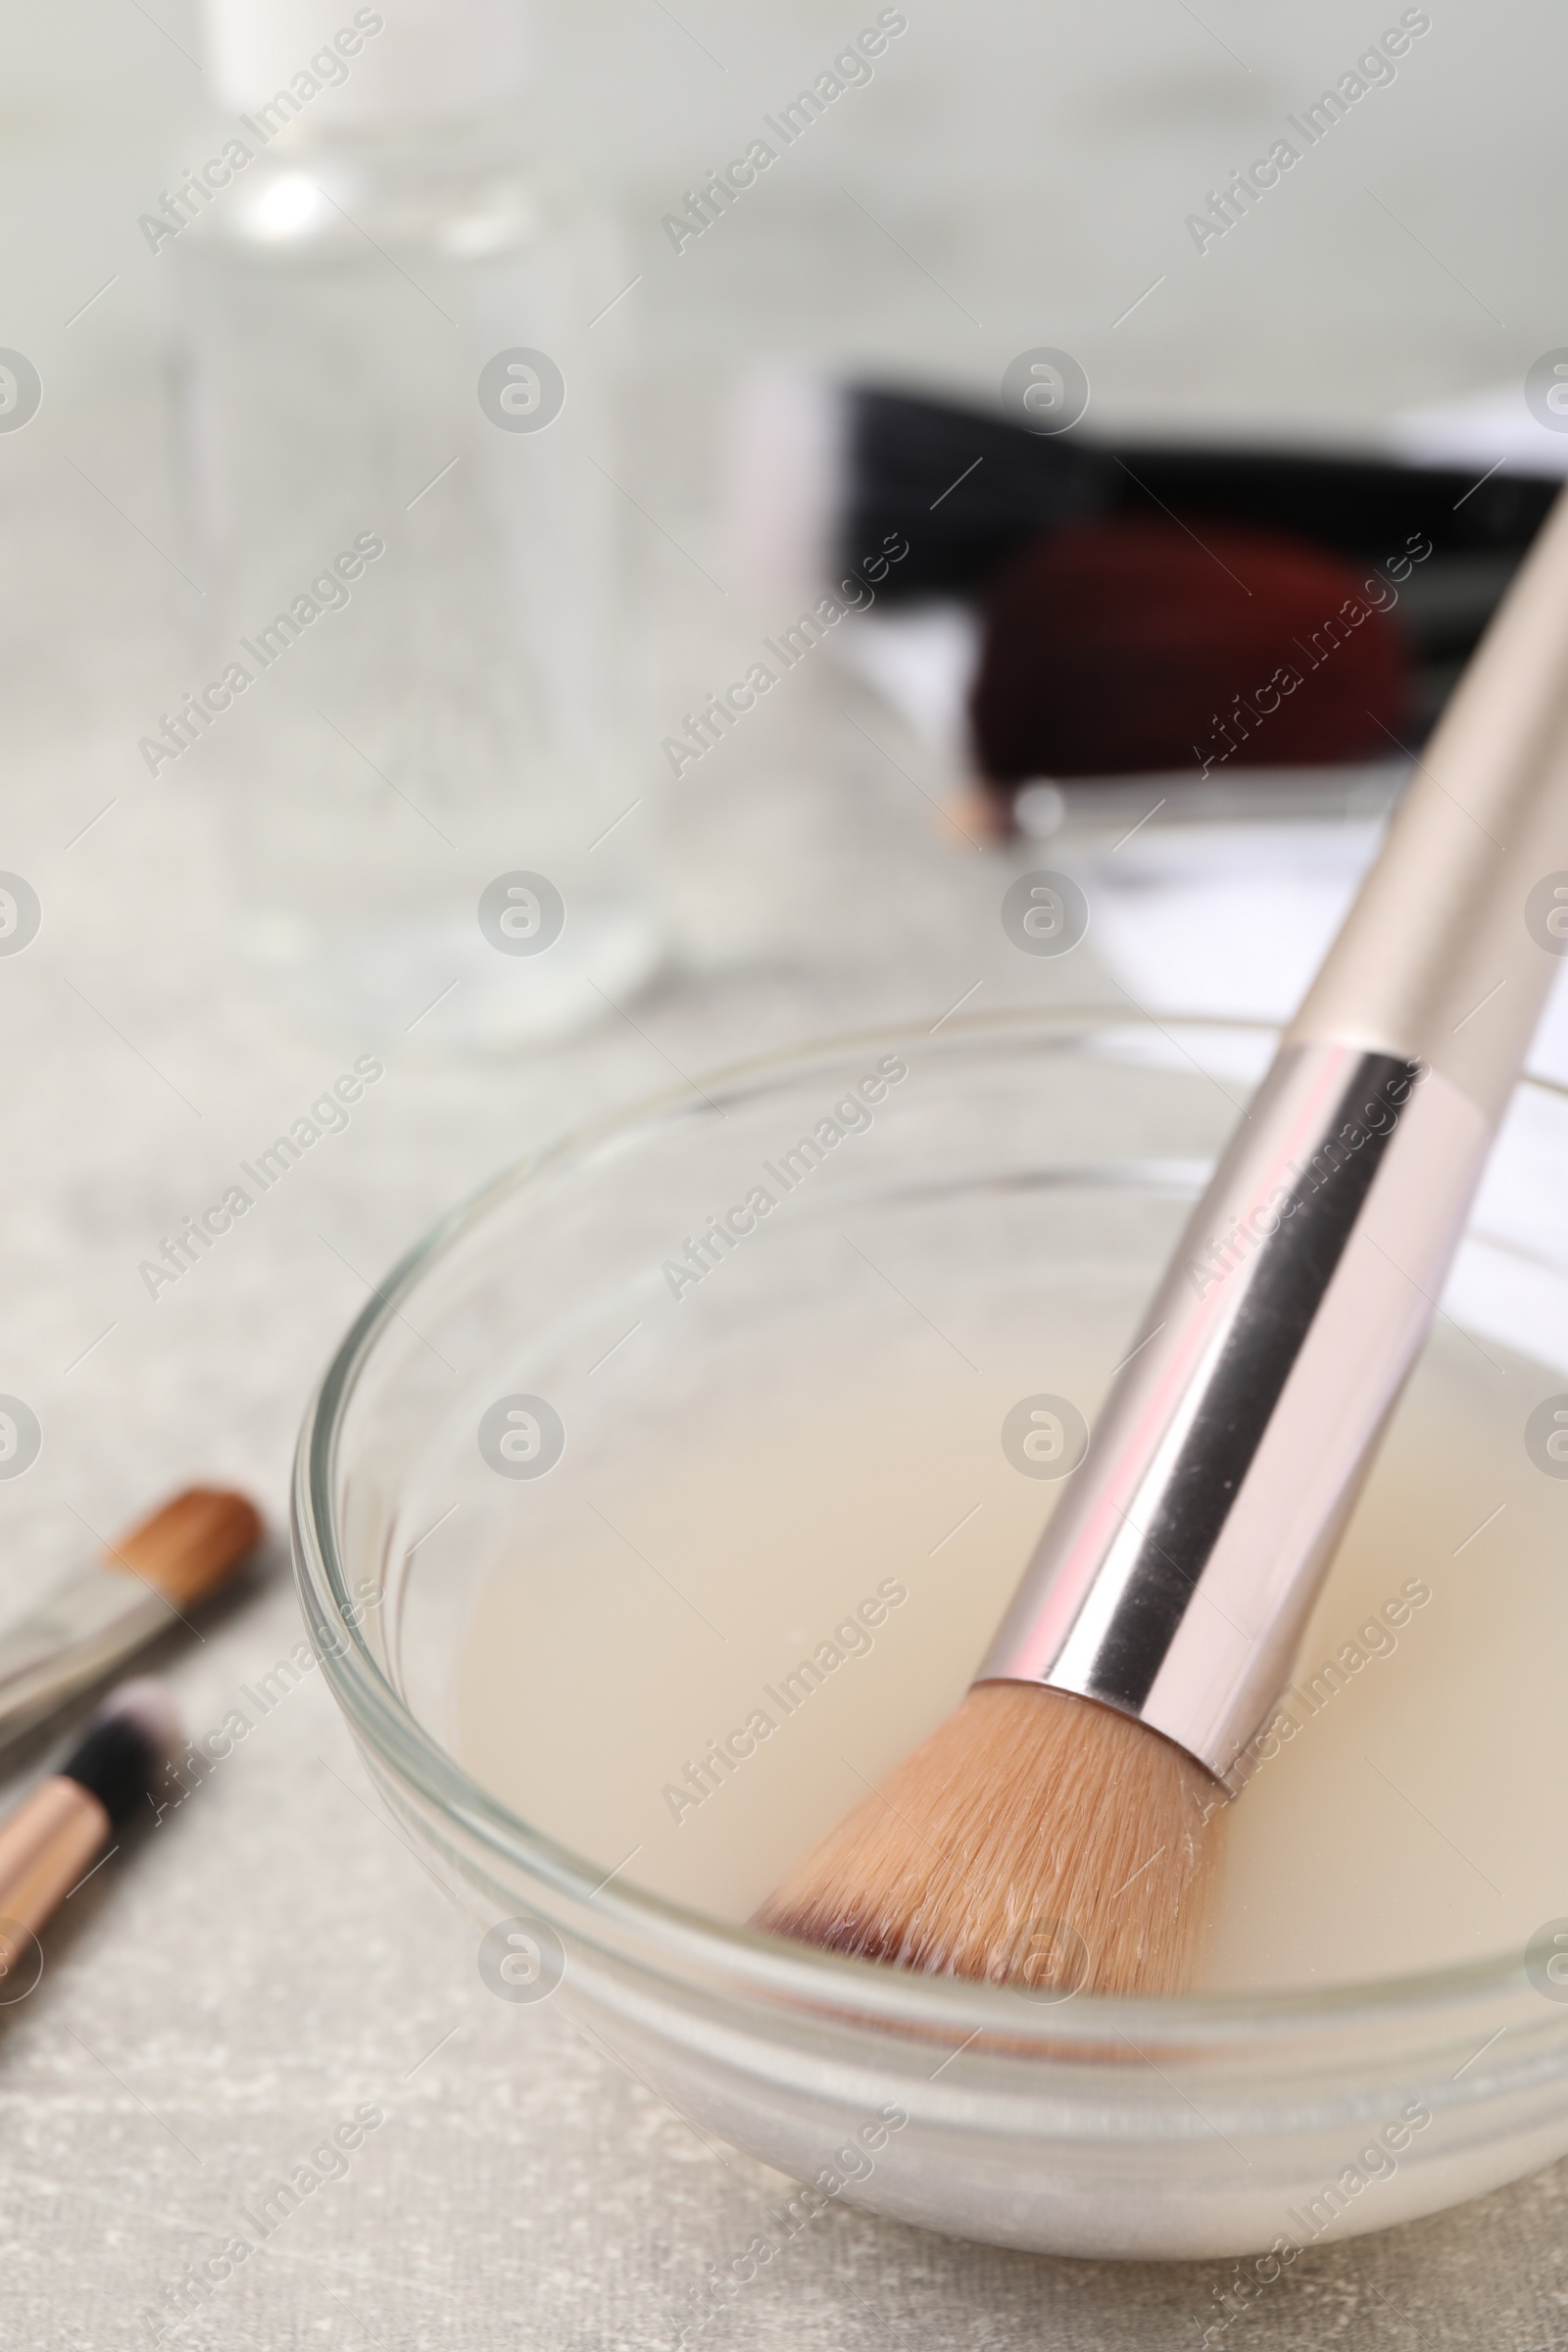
{"points": [[1446, 955], [1175, 1578], [44, 1848]]}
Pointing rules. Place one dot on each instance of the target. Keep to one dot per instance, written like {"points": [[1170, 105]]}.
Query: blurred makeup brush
{"points": [[55, 1833], [1072, 1802], [1143, 608], [114, 1606]]}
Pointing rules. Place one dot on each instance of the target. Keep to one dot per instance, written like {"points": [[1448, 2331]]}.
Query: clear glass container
{"points": [[399, 442], [1023, 1153]]}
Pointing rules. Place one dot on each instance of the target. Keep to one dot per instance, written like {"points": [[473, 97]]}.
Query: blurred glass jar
{"points": [[397, 431]]}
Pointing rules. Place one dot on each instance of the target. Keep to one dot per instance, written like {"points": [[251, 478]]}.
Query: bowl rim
{"points": [[652, 1930]]}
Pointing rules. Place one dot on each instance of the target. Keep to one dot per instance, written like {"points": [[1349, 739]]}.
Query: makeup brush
{"points": [[114, 1605], [56, 1833], [1061, 1826]]}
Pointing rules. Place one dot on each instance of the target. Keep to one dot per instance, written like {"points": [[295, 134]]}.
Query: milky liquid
{"points": [[1417, 1815]]}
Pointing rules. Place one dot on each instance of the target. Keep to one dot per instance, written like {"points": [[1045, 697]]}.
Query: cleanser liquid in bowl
{"points": [[694, 1673], [614, 1689]]}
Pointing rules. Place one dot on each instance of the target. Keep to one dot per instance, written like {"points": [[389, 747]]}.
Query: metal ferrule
{"points": [[1175, 1578], [74, 1637]]}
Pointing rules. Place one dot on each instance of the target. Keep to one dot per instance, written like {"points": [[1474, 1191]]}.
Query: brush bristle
{"points": [[1035, 1838], [191, 1543], [127, 1747]]}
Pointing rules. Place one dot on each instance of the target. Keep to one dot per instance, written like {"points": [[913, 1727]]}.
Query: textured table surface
{"points": [[271, 1957], [271, 1960]]}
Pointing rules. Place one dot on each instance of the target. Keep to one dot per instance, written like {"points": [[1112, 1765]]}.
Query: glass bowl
{"points": [[1016, 1157]]}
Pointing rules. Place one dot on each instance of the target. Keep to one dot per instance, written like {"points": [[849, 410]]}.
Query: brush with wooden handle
{"points": [[1073, 1803], [114, 1606]]}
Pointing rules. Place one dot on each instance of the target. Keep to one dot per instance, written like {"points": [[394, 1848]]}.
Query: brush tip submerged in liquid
{"points": [[1072, 1794], [1036, 1839]]}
